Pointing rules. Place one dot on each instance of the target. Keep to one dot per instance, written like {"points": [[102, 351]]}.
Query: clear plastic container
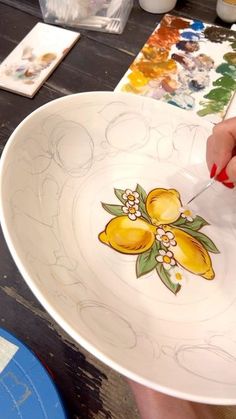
{"points": [[98, 15]]}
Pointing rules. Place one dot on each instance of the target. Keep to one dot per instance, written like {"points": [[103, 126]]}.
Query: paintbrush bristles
{"points": [[71, 10]]}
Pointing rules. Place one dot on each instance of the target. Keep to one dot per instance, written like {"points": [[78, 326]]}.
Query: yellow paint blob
{"points": [[154, 70], [137, 78]]}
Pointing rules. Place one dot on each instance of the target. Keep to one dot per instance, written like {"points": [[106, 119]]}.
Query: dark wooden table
{"points": [[97, 62]]}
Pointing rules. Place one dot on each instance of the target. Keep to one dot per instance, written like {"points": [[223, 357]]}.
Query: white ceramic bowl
{"points": [[58, 166]]}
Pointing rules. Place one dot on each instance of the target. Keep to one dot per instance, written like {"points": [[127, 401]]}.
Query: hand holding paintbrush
{"points": [[221, 156]]}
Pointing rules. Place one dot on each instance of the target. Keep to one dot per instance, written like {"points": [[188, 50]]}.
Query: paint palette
{"points": [[26, 390], [186, 63], [142, 282], [33, 60]]}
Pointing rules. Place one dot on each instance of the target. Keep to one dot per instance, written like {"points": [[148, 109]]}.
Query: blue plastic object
{"points": [[26, 389]]}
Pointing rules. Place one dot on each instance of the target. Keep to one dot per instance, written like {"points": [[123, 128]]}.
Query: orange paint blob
{"points": [[155, 54], [170, 84], [174, 22], [164, 37]]}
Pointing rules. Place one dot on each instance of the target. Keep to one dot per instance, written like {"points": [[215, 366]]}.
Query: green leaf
{"points": [[233, 45], [113, 209], [197, 223], [165, 277], [142, 201], [159, 246], [142, 193], [146, 262], [144, 213], [202, 238], [179, 222], [119, 193]]}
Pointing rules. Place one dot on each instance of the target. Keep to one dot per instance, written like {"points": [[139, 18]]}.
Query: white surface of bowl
{"points": [[60, 163]]}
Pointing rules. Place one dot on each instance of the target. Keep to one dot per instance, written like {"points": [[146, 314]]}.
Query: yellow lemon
{"points": [[163, 206], [127, 236], [191, 254]]}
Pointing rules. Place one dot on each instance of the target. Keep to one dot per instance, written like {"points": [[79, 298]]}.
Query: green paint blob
{"points": [[227, 69], [226, 81], [219, 95], [230, 57], [210, 107], [233, 45]]}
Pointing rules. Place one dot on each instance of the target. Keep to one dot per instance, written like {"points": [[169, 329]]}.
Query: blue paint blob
{"points": [[182, 100], [197, 25], [191, 36]]}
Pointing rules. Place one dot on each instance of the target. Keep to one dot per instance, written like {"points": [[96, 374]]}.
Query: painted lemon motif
{"points": [[163, 206], [127, 236], [191, 254]]}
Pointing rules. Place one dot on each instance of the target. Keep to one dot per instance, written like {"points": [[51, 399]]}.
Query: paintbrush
{"points": [[208, 185]]}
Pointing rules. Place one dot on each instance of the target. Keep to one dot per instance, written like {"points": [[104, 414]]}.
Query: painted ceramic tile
{"points": [[35, 58], [186, 63], [164, 234]]}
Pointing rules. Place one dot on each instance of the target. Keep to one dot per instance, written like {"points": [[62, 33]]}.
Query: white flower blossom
{"points": [[177, 275], [165, 237], [166, 258], [132, 211], [132, 197], [187, 213]]}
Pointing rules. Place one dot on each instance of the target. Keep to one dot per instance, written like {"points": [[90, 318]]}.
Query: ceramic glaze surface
{"points": [[58, 166]]}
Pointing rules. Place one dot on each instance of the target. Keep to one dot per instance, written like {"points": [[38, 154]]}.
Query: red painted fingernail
{"points": [[229, 185], [213, 171], [222, 176]]}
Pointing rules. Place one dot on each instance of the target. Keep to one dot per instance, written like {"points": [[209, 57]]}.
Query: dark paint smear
{"points": [[172, 102], [184, 60], [197, 25], [196, 86], [218, 35], [188, 46]]}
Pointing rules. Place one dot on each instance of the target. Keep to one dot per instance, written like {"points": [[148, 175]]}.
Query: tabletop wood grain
{"points": [[97, 62]]}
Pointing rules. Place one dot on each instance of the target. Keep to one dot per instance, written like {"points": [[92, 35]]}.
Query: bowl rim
{"points": [[49, 307]]}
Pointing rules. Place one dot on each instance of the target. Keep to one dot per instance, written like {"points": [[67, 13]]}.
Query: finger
{"points": [[221, 143], [210, 152], [231, 170]]}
